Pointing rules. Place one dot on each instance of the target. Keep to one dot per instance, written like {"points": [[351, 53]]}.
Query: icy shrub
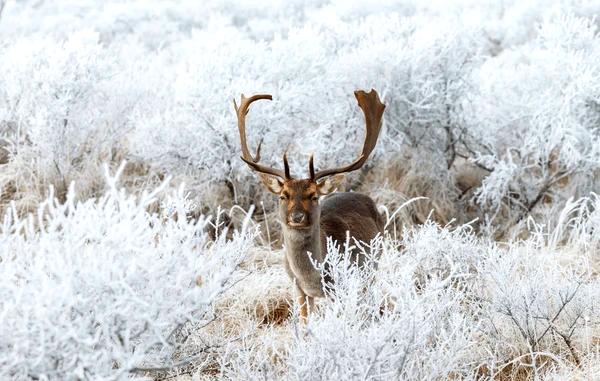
{"points": [[98, 289], [536, 116], [441, 303], [64, 110]]}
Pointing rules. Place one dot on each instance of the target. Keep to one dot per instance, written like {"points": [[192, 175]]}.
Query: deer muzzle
{"points": [[297, 219]]}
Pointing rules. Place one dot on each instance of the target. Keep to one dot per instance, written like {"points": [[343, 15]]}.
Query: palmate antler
{"points": [[373, 110], [369, 103], [241, 112]]}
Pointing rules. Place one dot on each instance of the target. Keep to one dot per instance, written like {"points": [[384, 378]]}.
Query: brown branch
{"points": [[451, 146], [569, 344], [545, 188], [567, 338]]}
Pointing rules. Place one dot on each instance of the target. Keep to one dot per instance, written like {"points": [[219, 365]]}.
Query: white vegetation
{"points": [[493, 114], [99, 288]]}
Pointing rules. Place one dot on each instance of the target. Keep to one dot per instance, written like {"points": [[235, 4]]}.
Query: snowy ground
{"points": [[135, 244]]}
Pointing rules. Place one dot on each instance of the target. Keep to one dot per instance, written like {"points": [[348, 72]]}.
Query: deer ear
{"points": [[330, 184], [273, 184]]}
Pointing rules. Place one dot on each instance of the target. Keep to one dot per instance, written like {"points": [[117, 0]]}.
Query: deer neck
{"points": [[298, 245], [300, 242]]}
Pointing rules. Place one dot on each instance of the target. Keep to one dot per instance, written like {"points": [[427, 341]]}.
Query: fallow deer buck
{"points": [[306, 224]]}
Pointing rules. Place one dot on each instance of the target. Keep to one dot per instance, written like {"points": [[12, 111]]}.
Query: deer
{"points": [[306, 221]]}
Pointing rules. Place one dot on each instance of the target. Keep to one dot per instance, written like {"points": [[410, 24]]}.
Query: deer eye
{"points": [[284, 196], [314, 197]]}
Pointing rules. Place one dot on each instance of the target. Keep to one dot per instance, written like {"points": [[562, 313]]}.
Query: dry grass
{"points": [[262, 294], [394, 181]]}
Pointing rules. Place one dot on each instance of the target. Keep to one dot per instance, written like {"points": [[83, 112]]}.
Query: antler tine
{"points": [[311, 167], [286, 166], [241, 113], [373, 109]]}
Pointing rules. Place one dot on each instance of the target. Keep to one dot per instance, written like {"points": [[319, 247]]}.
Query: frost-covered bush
{"points": [[391, 322], [440, 304], [100, 288], [537, 116], [538, 311], [64, 111], [489, 112]]}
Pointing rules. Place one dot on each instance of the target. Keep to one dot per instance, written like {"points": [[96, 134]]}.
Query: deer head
{"points": [[299, 198]]}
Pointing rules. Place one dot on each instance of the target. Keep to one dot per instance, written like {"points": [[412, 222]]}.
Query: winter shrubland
{"points": [[486, 169], [463, 126], [440, 304], [105, 288]]}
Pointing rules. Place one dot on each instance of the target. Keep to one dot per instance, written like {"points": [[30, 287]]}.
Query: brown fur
{"points": [[338, 216], [350, 212]]}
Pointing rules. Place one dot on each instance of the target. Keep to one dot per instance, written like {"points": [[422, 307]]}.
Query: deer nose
{"points": [[297, 217]]}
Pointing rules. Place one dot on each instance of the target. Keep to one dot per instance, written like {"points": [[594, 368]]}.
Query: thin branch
{"points": [[451, 146], [565, 302], [569, 344], [176, 367], [157, 371], [548, 183]]}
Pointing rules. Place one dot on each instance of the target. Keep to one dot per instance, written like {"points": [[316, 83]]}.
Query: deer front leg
{"points": [[306, 304], [310, 302], [302, 302]]}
